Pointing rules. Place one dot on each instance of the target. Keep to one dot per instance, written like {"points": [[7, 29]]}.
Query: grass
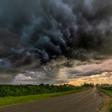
{"points": [[7, 101], [107, 92]]}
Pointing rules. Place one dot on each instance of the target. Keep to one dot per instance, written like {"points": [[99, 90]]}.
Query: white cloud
{"points": [[23, 77]]}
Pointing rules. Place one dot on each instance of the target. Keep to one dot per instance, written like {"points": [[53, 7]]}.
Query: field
{"points": [[11, 95]]}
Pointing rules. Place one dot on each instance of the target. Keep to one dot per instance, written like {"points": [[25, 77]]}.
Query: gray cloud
{"points": [[53, 26]]}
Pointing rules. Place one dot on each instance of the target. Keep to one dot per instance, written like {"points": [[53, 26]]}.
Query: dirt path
{"points": [[87, 101]]}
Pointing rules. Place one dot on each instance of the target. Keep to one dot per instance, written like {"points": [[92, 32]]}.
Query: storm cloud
{"points": [[54, 26], [50, 28]]}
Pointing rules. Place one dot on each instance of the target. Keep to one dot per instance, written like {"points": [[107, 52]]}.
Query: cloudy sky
{"points": [[95, 73], [51, 28]]}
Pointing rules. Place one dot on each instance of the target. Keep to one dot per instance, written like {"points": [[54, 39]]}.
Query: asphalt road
{"points": [[86, 101]]}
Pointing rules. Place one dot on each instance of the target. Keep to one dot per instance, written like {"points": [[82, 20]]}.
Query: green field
{"points": [[12, 95]]}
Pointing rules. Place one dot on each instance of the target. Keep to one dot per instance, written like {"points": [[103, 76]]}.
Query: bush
{"points": [[22, 90]]}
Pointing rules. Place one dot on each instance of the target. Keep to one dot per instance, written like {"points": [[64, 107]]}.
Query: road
{"points": [[86, 101]]}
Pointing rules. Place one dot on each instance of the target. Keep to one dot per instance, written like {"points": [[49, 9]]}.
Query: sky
{"points": [[52, 28], [97, 72]]}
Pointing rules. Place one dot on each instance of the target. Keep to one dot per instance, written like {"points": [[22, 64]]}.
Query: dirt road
{"points": [[86, 101]]}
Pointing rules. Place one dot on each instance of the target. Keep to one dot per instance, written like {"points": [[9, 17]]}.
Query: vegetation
{"points": [[14, 94], [23, 90], [107, 89]]}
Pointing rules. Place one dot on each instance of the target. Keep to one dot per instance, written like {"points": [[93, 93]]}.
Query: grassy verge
{"points": [[7, 101], [107, 92]]}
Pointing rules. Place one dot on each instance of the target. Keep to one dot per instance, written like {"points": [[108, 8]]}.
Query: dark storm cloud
{"points": [[64, 22], [48, 28]]}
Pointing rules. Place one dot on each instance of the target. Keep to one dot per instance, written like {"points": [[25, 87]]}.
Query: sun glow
{"points": [[103, 78]]}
